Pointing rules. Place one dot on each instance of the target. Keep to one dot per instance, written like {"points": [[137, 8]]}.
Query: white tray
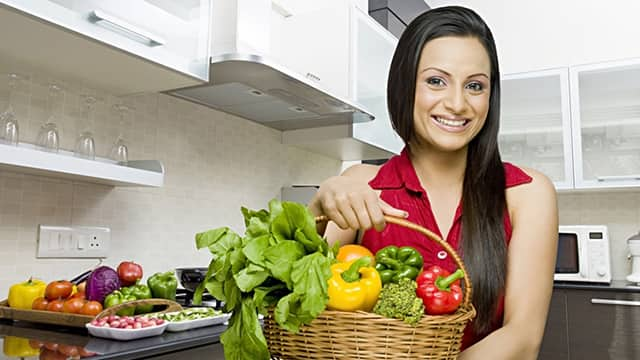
{"points": [[126, 334], [175, 326]]}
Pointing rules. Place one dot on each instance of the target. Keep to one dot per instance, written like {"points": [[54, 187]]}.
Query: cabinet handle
{"points": [[618, 178], [615, 302], [148, 38]]}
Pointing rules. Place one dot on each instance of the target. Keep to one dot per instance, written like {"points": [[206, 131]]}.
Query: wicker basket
{"points": [[362, 335]]}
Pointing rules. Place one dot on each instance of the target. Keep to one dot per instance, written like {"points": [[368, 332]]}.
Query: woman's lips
{"points": [[451, 125]]}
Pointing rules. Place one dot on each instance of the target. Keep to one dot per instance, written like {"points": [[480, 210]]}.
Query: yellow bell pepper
{"points": [[21, 295], [354, 286], [18, 347]]}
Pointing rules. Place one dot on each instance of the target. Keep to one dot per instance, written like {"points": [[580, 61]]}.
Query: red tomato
{"points": [[129, 272], [78, 295], [56, 305], [351, 252], [92, 308], [59, 289], [73, 305], [39, 304]]}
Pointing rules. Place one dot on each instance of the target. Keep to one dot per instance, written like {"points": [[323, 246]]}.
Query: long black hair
{"points": [[483, 245]]}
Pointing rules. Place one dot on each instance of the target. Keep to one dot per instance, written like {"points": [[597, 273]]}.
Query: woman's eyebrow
{"points": [[448, 74]]}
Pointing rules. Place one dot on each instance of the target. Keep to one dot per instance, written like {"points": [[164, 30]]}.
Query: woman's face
{"points": [[452, 92]]}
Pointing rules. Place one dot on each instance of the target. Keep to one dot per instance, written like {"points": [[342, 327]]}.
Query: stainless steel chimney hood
{"points": [[252, 87]]}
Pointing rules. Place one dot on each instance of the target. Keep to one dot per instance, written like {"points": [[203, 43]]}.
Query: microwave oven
{"points": [[583, 254]]}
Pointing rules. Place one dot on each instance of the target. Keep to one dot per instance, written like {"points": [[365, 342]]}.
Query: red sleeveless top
{"points": [[401, 189]]}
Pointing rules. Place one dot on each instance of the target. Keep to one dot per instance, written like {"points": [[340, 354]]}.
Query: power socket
{"points": [[73, 242]]}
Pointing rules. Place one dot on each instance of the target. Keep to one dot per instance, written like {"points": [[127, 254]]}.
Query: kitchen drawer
{"points": [[555, 343]]}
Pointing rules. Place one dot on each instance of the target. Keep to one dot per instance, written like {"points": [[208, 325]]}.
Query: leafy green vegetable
{"points": [[281, 262]]}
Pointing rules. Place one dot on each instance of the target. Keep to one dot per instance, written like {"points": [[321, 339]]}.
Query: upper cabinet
{"points": [[606, 122], [126, 46], [535, 128], [370, 48], [580, 126]]}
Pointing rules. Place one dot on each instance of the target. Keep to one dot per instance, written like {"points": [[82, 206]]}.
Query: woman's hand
{"points": [[351, 203]]}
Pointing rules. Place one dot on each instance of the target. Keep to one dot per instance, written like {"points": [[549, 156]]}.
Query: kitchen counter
{"points": [[191, 344], [616, 285]]}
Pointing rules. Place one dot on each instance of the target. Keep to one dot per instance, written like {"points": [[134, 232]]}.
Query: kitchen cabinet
{"points": [[126, 47], [371, 49], [606, 123], [592, 324], [535, 129], [25, 158]]}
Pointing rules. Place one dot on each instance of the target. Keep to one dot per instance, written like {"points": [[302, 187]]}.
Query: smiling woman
{"points": [[444, 101]]}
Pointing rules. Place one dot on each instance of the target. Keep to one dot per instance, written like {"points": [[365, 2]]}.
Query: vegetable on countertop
{"points": [[117, 298], [353, 285], [439, 290], [190, 314], [129, 272], [163, 285], [21, 295], [394, 263], [101, 282], [140, 292], [399, 301]]}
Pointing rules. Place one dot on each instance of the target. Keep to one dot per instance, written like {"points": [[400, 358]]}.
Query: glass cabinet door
{"points": [[535, 128], [171, 33], [606, 120]]}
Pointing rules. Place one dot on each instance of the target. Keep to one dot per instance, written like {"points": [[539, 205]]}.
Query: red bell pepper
{"points": [[439, 290]]}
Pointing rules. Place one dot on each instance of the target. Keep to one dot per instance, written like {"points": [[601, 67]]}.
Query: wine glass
{"points": [[10, 129], [85, 144], [119, 150], [48, 136]]}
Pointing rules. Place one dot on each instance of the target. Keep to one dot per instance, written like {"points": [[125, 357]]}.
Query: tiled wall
{"points": [[214, 163]]}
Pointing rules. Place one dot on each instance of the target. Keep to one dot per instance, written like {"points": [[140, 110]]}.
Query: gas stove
{"points": [[184, 297]]}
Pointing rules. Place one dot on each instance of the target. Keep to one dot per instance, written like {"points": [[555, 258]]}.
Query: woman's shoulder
{"points": [[535, 194]]}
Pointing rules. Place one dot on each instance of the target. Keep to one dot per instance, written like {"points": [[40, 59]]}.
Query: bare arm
{"points": [[530, 268], [351, 204]]}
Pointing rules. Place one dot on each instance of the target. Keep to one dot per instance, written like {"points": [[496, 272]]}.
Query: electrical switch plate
{"points": [[73, 242]]}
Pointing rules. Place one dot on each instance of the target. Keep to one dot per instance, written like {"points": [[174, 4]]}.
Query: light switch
{"points": [[83, 241], [73, 241], [54, 241]]}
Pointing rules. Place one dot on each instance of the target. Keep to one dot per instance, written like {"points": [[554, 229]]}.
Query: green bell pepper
{"points": [[394, 263], [163, 285], [116, 298], [139, 291]]}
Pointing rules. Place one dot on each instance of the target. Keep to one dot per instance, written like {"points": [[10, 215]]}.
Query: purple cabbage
{"points": [[101, 282]]}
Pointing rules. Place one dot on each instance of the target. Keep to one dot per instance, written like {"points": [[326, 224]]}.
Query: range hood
{"points": [[255, 88]]}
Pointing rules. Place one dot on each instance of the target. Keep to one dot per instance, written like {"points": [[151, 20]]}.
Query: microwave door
{"points": [[568, 256]]}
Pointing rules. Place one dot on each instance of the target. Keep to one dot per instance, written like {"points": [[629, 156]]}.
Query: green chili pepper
{"points": [[163, 285], [117, 297], [395, 263]]}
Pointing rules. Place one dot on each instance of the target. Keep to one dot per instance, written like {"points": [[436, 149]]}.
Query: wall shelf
{"points": [[26, 158]]}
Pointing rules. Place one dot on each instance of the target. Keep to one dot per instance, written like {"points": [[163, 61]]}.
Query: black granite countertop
{"points": [[614, 286], [64, 338]]}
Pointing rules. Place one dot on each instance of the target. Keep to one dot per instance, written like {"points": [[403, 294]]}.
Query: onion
{"points": [[101, 282]]}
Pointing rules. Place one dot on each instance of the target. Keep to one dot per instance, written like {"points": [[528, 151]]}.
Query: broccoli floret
{"points": [[399, 301]]}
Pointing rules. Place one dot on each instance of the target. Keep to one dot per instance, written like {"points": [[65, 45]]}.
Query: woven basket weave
{"points": [[361, 335]]}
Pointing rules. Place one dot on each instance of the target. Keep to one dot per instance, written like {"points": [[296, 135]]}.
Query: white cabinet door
{"points": [[535, 129], [372, 49], [314, 42], [606, 123], [171, 33]]}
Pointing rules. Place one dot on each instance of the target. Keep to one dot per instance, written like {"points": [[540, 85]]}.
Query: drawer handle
{"points": [[148, 38], [618, 178], [615, 302]]}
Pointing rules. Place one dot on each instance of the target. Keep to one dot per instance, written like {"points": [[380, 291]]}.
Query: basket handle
{"points": [[170, 306], [433, 237]]}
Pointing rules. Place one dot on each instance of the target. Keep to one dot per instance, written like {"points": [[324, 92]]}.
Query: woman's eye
{"points": [[435, 81], [475, 86]]}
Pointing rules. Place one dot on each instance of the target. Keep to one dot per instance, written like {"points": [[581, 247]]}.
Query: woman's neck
{"points": [[437, 169]]}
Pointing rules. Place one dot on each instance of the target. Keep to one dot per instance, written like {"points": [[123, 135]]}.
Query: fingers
{"points": [[374, 211], [390, 210]]}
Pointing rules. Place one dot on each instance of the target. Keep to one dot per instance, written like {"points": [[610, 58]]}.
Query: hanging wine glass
{"points": [[48, 137], [10, 129], [119, 151], [85, 144]]}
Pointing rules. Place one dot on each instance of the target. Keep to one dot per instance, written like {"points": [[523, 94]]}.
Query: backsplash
{"points": [[215, 163]]}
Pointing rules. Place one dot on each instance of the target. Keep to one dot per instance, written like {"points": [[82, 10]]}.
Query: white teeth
{"points": [[450, 122]]}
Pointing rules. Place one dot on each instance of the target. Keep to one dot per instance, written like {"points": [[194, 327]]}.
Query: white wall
{"points": [[215, 163], [542, 34]]}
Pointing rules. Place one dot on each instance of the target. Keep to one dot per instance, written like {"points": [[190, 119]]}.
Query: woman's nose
{"points": [[455, 101]]}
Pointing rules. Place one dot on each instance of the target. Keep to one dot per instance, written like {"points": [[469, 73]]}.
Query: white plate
{"points": [[175, 326], [126, 334]]}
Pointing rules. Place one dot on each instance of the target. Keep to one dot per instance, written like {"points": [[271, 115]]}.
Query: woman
{"points": [[444, 101]]}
